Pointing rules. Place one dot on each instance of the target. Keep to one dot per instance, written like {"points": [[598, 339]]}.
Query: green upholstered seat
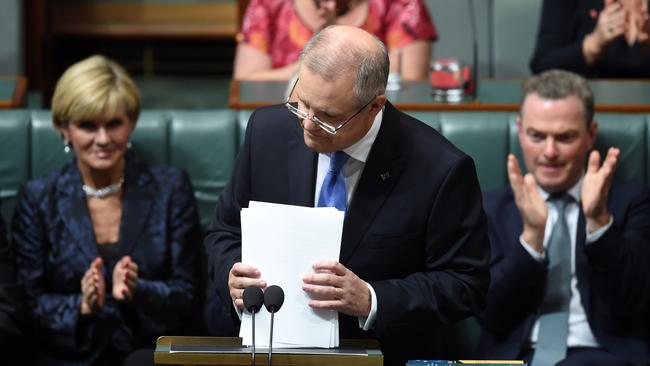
{"points": [[14, 157]]}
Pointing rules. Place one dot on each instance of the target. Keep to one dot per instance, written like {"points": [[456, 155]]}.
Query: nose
{"points": [[102, 137], [309, 124], [550, 148]]}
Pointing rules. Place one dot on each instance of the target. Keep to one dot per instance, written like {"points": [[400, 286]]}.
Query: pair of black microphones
{"points": [[272, 298]]}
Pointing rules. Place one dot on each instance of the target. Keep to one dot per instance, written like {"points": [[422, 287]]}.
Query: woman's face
{"points": [[99, 144]]}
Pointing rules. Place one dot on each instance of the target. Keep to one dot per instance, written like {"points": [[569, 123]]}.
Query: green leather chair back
{"points": [[205, 144], [628, 133], [14, 158]]}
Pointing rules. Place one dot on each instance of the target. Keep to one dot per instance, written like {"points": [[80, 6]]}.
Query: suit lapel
{"points": [[302, 163], [380, 174], [138, 197], [74, 211]]}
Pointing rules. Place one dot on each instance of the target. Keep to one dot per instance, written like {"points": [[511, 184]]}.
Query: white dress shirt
{"points": [[580, 333], [352, 172]]}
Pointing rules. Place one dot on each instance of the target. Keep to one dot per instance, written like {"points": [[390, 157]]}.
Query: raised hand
{"points": [[240, 277], [93, 288], [125, 279], [326, 11], [612, 23], [335, 287], [595, 188], [530, 203]]}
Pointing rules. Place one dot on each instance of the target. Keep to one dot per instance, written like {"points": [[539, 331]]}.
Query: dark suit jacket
{"points": [[55, 243], [612, 278], [563, 26], [12, 326], [418, 235]]}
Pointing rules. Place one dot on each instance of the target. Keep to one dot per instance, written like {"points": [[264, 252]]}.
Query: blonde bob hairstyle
{"points": [[93, 88]]}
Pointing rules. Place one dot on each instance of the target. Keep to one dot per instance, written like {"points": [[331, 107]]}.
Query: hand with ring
{"points": [[611, 25], [240, 277]]}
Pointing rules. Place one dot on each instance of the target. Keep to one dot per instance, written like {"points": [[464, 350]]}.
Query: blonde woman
{"points": [[107, 247]]}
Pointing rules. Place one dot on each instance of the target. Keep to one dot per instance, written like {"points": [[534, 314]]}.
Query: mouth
{"points": [[551, 168], [103, 153]]}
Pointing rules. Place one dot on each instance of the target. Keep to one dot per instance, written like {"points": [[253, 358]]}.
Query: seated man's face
{"points": [[332, 102], [555, 140]]}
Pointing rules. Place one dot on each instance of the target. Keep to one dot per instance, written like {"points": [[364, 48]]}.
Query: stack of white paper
{"points": [[283, 242]]}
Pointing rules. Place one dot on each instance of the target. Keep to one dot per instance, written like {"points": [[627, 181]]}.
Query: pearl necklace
{"points": [[104, 191]]}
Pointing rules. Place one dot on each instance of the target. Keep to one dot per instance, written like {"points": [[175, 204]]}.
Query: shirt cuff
{"points": [[239, 311], [367, 323], [533, 253], [598, 233]]}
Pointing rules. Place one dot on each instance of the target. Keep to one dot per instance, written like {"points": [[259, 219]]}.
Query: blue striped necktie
{"points": [[333, 192]]}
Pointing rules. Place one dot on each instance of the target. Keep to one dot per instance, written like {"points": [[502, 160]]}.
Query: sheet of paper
{"points": [[283, 242]]}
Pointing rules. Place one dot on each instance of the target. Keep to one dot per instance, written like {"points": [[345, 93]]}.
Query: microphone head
{"points": [[253, 299], [273, 298]]}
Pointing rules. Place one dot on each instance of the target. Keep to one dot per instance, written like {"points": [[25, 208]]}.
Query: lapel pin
{"points": [[385, 176]]}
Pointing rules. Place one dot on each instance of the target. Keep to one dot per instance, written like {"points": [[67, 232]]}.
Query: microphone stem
{"points": [[271, 340], [253, 355]]}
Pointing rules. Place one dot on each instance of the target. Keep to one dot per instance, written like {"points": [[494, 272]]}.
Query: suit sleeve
{"points": [[223, 239], [56, 316], [517, 279], [619, 260], [159, 302], [455, 277], [556, 48], [10, 310]]}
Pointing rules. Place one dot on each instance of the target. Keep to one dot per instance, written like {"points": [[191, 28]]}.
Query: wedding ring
{"points": [[610, 31]]}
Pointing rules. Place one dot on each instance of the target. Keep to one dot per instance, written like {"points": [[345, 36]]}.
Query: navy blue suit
{"points": [[55, 243], [563, 26], [415, 227], [612, 272]]}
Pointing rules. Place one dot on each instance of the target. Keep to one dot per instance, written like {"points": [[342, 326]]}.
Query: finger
{"points": [[323, 279], [97, 263], [611, 161], [317, 292], [127, 294], [329, 266], [514, 173], [593, 164], [326, 304], [530, 185], [239, 303], [244, 270]]}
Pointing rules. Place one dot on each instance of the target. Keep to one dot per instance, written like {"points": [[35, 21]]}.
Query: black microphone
{"points": [[273, 300], [253, 299]]}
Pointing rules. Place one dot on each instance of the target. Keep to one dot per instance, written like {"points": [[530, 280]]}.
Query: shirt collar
{"points": [[360, 149], [574, 191]]}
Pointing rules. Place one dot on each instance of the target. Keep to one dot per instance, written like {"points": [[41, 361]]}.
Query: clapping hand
{"points": [[93, 288], [125, 279], [595, 188], [530, 203]]}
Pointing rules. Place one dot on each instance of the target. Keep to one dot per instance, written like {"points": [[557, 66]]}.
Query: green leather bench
{"points": [[205, 143]]}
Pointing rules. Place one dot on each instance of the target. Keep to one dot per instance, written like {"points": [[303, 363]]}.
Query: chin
{"points": [[316, 146]]}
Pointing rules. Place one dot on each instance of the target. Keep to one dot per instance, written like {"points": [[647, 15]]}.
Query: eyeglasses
{"points": [[329, 128]]}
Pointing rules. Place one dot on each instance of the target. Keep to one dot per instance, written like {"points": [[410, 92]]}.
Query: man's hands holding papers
{"points": [[240, 277], [335, 287]]}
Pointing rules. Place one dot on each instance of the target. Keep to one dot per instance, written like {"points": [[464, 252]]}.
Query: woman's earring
{"points": [[66, 147], [128, 144]]}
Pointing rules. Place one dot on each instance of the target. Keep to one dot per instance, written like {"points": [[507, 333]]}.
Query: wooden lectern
{"points": [[230, 352]]}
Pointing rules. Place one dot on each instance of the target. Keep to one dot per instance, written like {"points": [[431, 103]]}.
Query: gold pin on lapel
{"points": [[385, 176]]}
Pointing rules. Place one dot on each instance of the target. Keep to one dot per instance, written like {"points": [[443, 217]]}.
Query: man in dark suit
{"points": [[570, 251], [414, 251]]}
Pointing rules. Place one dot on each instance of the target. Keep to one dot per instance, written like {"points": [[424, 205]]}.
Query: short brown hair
{"points": [[91, 88], [559, 84]]}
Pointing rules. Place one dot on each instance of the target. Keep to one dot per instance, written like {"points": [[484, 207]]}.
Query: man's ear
{"points": [[378, 104]]}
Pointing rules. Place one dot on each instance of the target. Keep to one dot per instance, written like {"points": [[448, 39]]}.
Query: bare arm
{"points": [[252, 64], [414, 62]]}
